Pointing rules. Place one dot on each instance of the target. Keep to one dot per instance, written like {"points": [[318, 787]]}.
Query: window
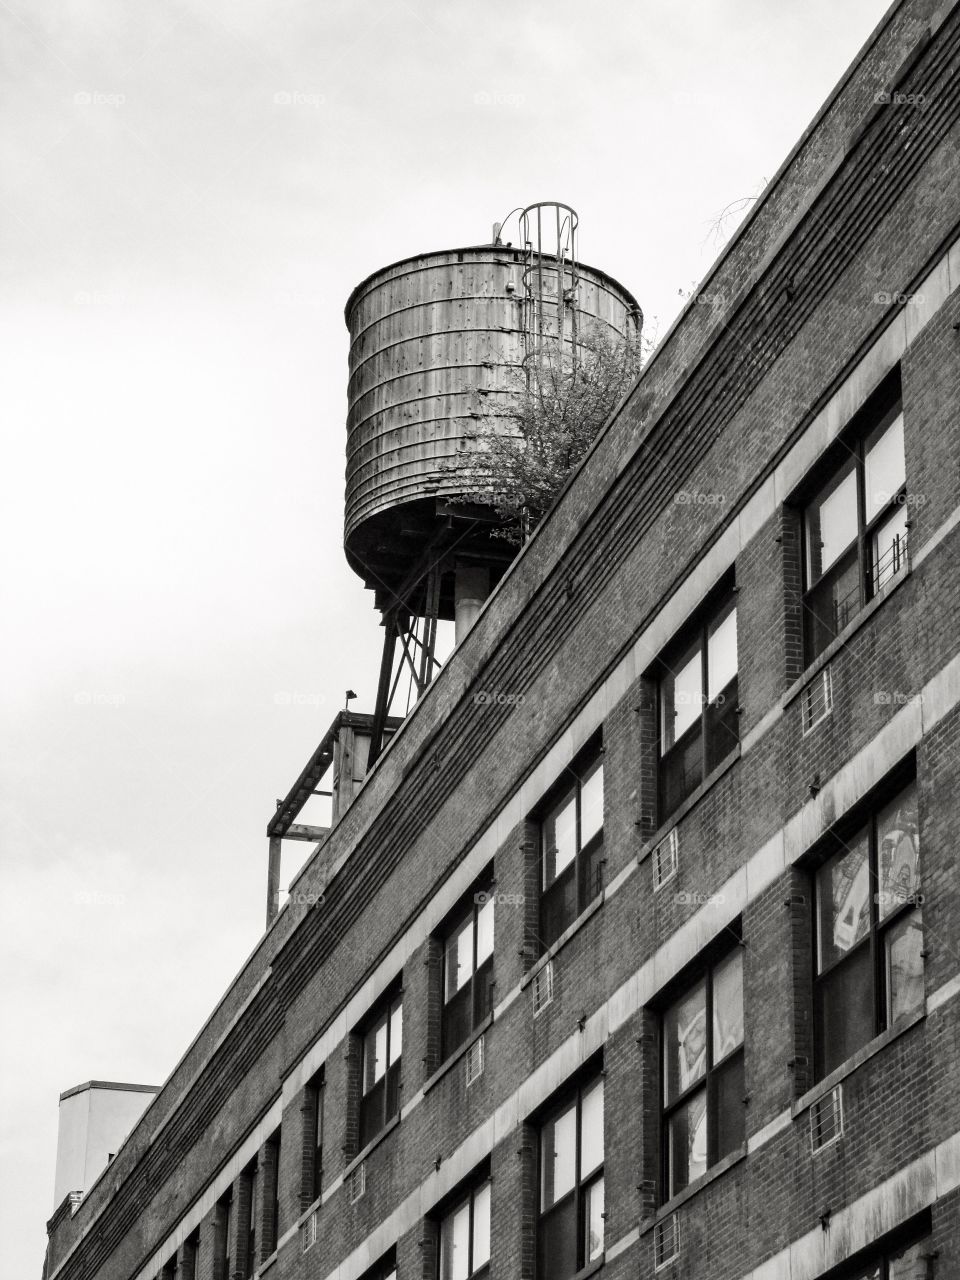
{"points": [[855, 529], [698, 704], [224, 1233], [468, 972], [465, 1236], [253, 1182], [703, 1117], [869, 932], [380, 1069], [386, 1268], [570, 1228], [272, 1236], [313, 1146], [571, 848]]}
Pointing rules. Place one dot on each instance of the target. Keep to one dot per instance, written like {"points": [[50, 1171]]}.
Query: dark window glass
{"points": [[869, 932], [224, 1232], [855, 532], [702, 1032], [313, 1171], [571, 849], [386, 1269], [380, 1067], [252, 1260], [570, 1231], [274, 1233], [468, 972], [699, 726]]}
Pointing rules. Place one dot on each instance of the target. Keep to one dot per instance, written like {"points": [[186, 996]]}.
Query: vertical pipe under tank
{"points": [[470, 589]]}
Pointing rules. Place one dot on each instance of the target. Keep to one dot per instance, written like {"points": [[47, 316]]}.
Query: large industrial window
{"points": [[699, 725], [467, 971], [703, 1115], [855, 528], [382, 1043], [571, 847], [465, 1236], [570, 1228], [313, 1144], [869, 931]]}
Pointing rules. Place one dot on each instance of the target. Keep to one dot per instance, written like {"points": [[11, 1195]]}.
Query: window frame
{"points": [[586, 856], [877, 415], [720, 602], [466, 1194], [477, 991], [383, 1113], [577, 1196], [865, 819], [702, 973]]}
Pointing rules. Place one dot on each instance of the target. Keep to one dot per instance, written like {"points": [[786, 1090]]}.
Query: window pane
{"points": [[843, 901], [730, 1121], [728, 1005], [396, 1033], [681, 772], [721, 652], [482, 992], [558, 907], [455, 1244], [485, 931], [559, 838], [374, 1055], [591, 804], [898, 839], [681, 697], [457, 1021], [903, 945], [458, 959], [372, 1117], [558, 1156], [722, 727], [888, 550], [685, 1042], [830, 522], [591, 1129], [593, 1220], [688, 1142], [481, 1227], [557, 1243], [591, 874], [844, 1010], [884, 470], [910, 1263], [831, 604]]}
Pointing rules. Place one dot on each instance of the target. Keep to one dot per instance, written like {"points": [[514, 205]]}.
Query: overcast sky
{"points": [[191, 189]]}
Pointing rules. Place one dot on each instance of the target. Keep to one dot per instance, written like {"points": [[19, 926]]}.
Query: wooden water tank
{"points": [[432, 339]]}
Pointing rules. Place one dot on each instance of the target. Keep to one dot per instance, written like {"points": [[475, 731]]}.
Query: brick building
{"points": [[646, 960]]}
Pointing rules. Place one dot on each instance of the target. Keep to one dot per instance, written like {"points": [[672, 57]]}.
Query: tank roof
{"points": [[476, 248]]}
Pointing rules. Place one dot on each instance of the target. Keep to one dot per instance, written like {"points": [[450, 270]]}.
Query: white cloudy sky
{"points": [[177, 246]]}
